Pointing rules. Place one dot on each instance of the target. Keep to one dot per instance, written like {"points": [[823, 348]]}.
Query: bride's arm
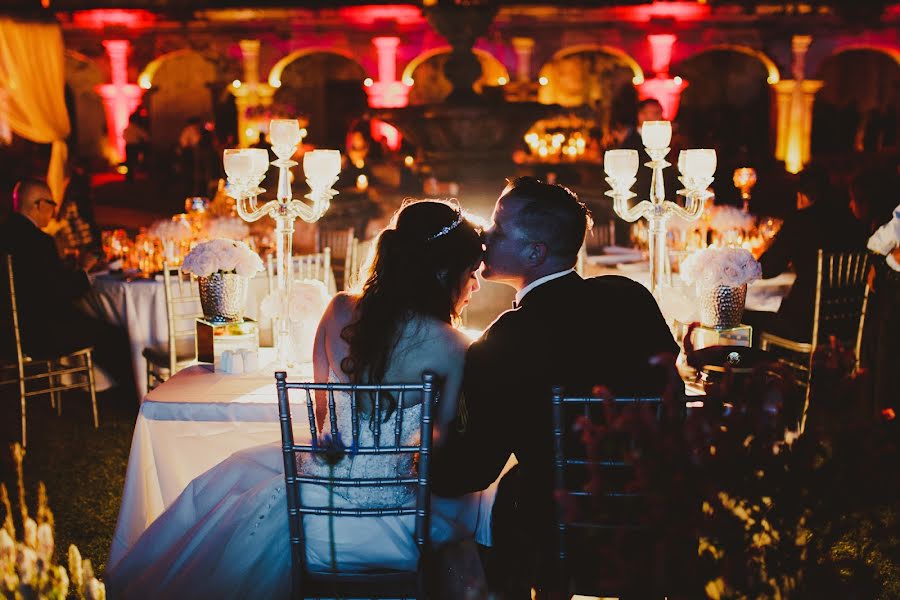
{"points": [[451, 389], [335, 318]]}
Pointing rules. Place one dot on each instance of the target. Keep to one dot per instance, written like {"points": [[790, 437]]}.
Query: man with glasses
{"points": [[46, 290]]}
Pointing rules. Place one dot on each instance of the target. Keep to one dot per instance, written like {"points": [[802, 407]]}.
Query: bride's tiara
{"points": [[448, 228]]}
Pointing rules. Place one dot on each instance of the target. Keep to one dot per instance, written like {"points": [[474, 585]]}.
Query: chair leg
{"points": [[89, 362], [22, 399], [53, 395]]}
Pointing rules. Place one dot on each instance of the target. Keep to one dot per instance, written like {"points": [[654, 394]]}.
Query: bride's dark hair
{"points": [[416, 271]]}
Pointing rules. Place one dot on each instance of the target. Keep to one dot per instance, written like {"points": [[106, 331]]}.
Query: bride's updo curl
{"points": [[416, 271]]}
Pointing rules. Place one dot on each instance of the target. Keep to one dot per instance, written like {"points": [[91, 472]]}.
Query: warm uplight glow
{"points": [[543, 81], [362, 183], [275, 83], [409, 160], [120, 98], [677, 80], [408, 81], [236, 83], [637, 80], [502, 81], [368, 82]]}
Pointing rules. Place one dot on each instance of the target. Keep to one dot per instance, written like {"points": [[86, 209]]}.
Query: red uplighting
{"points": [[385, 131], [680, 11], [367, 15], [889, 414], [661, 51], [100, 18], [665, 89]]}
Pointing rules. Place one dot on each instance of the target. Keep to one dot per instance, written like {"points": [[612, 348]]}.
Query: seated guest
{"points": [[46, 290], [564, 330], [820, 221]]}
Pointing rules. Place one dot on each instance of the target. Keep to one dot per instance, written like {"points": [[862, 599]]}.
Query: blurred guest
{"points": [[881, 348], [46, 290], [820, 222], [137, 141], [76, 231]]}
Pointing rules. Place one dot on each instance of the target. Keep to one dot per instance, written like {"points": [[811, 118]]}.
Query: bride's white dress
{"points": [[226, 535]]}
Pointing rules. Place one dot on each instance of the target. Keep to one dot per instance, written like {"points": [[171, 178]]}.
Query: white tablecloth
{"points": [[139, 305], [186, 426], [762, 295]]}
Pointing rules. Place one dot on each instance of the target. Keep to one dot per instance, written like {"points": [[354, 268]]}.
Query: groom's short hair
{"points": [[551, 213]]}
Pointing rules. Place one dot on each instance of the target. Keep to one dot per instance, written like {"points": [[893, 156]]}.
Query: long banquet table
{"points": [[139, 305], [186, 426]]}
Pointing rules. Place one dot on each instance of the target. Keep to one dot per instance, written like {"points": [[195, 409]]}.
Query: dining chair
{"points": [[75, 367], [182, 311], [839, 312], [307, 583], [341, 242], [593, 495], [600, 236], [305, 266]]}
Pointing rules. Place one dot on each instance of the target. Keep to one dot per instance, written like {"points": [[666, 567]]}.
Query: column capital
{"points": [[800, 43], [523, 44]]}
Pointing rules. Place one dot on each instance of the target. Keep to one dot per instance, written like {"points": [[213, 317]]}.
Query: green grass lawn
{"points": [[82, 467]]}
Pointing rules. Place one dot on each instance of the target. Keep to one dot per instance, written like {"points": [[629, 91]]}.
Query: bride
{"points": [[226, 535]]}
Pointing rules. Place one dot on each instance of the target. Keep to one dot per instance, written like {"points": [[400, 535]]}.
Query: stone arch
{"points": [[83, 75], [430, 85], [773, 74], [598, 77], [858, 106], [179, 87], [728, 106], [325, 86]]}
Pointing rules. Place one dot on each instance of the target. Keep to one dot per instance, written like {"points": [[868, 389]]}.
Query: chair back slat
{"points": [[841, 297], [182, 309], [294, 480], [398, 422], [13, 307], [305, 266]]}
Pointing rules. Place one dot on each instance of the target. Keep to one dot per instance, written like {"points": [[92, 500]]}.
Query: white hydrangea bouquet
{"points": [[713, 267], [304, 307], [222, 256]]}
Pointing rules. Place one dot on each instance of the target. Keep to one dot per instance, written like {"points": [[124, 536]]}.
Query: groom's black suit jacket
{"points": [[569, 331]]}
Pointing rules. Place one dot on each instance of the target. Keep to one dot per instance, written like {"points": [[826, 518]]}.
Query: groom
{"points": [[563, 330]]}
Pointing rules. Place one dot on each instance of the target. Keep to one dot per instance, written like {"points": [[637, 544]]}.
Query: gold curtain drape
{"points": [[32, 72]]}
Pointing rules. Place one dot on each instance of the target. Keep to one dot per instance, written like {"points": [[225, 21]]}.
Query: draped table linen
{"points": [[186, 426]]}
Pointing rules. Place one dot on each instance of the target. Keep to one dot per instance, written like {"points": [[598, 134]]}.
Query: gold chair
{"points": [[839, 312], [306, 266], [341, 242], [28, 369], [182, 310]]}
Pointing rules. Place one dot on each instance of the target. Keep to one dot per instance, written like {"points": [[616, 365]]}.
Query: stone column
{"points": [[523, 48], [793, 103], [250, 93], [387, 92], [662, 87], [120, 98]]}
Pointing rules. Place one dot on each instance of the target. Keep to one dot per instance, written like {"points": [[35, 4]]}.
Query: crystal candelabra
{"points": [[744, 179], [696, 167], [246, 168]]}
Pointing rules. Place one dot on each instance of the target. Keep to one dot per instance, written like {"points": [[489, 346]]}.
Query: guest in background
{"points": [[137, 141], [46, 290], [77, 231], [821, 221]]}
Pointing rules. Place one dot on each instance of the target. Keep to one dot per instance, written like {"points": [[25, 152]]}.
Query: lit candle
{"points": [[238, 164], [621, 164], [285, 132], [362, 183], [656, 134], [700, 162]]}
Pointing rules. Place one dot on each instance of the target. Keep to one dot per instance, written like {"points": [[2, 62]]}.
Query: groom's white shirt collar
{"points": [[521, 293]]}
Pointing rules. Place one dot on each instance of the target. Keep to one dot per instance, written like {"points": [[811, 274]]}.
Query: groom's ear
{"points": [[537, 254]]}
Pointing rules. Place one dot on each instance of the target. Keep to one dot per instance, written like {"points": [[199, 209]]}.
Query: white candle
{"points": [[322, 165], [284, 132], [237, 163], [259, 159], [656, 134], [621, 164], [699, 162]]}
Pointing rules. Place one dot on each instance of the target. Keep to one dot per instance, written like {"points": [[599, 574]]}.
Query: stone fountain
{"points": [[469, 138]]}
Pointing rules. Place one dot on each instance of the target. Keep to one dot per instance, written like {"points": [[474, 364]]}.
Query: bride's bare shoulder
{"points": [[443, 334], [342, 306]]}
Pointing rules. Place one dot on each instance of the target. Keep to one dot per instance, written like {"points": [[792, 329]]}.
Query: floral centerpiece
{"points": [[306, 303], [223, 268], [721, 276], [173, 233], [227, 227]]}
